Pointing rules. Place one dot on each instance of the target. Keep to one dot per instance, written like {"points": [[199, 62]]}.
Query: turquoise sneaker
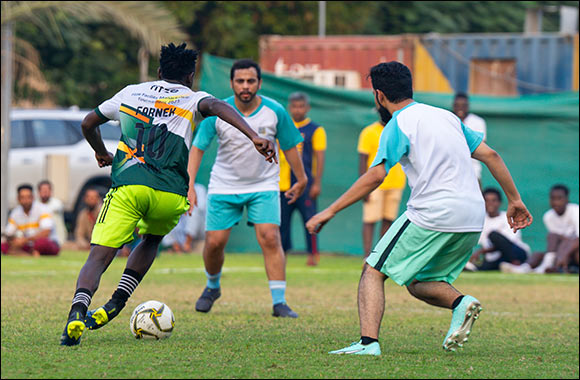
{"points": [[464, 315], [357, 348]]}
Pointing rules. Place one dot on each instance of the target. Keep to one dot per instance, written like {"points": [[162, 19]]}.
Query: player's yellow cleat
{"points": [[73, 331], [96, 318]]}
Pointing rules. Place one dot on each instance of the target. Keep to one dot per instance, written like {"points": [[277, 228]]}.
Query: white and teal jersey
{"points": [[434, 149], [238, 167], [158, 121]]}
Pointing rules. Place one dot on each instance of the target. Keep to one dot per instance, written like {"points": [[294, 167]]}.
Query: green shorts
{"points": [[408, 252], [225, 210], [154, 212]]}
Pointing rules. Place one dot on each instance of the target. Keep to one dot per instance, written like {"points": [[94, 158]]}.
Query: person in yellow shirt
{"points": [[383, 203], [312, 151]]}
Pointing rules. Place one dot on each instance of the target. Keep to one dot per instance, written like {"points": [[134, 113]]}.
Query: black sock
{"points": [[80, 303], [366, 340], [127, 285], [456, 302]]}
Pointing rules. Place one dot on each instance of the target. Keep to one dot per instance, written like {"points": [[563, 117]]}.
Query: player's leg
{"points": [[448, 253], [285, 222], [391, 202], [371, 297], [213, 259], [114, 227], [160, 212], [264, 214], [223, 212]]}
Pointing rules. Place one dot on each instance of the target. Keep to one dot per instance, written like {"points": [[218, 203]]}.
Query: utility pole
{"points": [[5, 116], [321, 19]]}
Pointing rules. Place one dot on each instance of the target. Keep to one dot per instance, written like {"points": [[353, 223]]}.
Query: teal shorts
{"points": [[225, 210], [153, 211], [408, 252]]}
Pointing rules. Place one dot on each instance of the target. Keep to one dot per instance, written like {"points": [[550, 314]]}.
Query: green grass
{"points": [[528, 328]]}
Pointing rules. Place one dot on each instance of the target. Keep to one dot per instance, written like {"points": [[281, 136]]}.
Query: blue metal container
{"points": [[543, 62]]}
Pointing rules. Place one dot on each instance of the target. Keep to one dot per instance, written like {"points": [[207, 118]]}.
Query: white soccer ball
{"points": [[152, 320]]}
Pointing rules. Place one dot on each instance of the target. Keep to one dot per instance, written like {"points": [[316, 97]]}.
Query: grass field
{"points": [[528, 328]]}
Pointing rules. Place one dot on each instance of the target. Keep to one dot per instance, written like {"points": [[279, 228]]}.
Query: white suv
{"points": [[36, 134]]}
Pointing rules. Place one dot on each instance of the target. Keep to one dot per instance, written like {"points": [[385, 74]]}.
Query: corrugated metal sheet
{"points": [[427, 77], [543, 62], [356, 53]]}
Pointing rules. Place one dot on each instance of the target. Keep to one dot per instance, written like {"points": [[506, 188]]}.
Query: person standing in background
{"points": [[312, 151], [383, 203], [471, 120]]}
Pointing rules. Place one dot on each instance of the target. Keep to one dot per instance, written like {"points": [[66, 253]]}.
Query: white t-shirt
{"points": [[500, 225], [477, 124], [239, 168], [38, 218], [158, 120], [434, 148], [56, 207], [565, 224]]}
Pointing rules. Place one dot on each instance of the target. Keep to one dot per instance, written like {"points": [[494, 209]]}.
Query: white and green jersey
{"points": [[239, 168], [158, 121]]}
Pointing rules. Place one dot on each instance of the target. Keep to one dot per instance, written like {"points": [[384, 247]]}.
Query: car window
{"points": [[17, 134], [111, 130], [54, 133]]}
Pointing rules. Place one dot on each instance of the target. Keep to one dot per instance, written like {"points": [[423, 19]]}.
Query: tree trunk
{"points": [[5, 117], [143, 57]]}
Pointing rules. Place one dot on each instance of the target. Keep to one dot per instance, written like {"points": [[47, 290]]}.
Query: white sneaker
{"points": [[471, 267], [506, 267]]}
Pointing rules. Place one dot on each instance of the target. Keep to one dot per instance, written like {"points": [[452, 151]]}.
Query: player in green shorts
{"points": [[427, 247], [150, 183]]}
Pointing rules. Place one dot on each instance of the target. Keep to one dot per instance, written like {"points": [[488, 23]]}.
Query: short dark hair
{"points": [[24, 186], [492, 190], [461, 95], [393, 79], [44, 182], [245, 64], [562, 187], [299, 96], [176, 62]]}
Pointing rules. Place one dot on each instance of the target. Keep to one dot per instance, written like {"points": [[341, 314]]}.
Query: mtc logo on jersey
{"points": [[159, 88]]}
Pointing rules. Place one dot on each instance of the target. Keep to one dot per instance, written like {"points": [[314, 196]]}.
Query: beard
{"points": [[246, 99], [384, 114]]}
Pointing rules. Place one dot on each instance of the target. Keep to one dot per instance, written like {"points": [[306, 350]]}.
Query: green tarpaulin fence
{"points": [[537, 136]]}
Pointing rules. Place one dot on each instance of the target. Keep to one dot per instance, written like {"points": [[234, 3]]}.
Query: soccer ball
{"points": [[152, 320]]}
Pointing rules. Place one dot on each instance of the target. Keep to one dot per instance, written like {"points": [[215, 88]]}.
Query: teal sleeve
{"points": [[287, 134], [472, 137], [205, 133], [393, 145]]}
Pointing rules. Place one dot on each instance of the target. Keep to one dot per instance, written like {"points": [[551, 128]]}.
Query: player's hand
{"points": [[315, 224], [192, 198], [518, 215], [266, 148], [104, 159], [314, 191], [296, 191]]}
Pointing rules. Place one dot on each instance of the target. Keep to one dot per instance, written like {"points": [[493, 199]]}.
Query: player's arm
{"points": [[297, 167], [91, 131], [362, 187], [195, 157], [517, 214], [215, 107]]}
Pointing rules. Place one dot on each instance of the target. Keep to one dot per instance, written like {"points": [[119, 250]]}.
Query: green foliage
{"points": [[528, 328], [85, 64]]}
